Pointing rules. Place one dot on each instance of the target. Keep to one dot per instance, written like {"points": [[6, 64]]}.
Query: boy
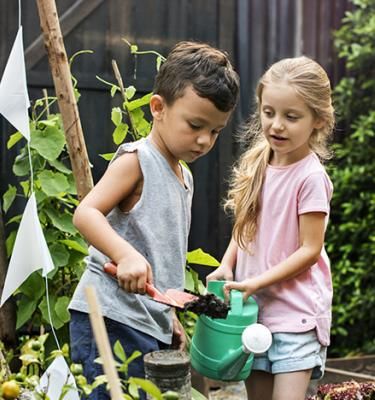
{"points": [[138, 214]]}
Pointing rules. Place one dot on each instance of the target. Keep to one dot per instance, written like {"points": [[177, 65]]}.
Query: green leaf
{"points": [[198, 256], [9, 197], [48, 142], [81, 247], [189, 281], [34, 286], [60, 166], [14, 139], [133, 390], [107, 156], [61, 221], [119, 134], [60, 254], [25, 185], [61, 308], [133, 48], [195, 395], [113, 90], [130, 92], [53, 183], [132, 105], [147, 386], [9, 243], [56, 321], [25, 309], [116, 115], [119, 351]]}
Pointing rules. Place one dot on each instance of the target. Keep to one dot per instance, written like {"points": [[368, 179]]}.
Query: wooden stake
{"points": [[60, 70], [104, 347]]}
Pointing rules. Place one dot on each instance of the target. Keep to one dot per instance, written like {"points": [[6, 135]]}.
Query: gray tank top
{"points": [[158, 227]]}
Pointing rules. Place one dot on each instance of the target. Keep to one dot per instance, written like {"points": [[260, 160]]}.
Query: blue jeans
{"points": [[84, 350]]}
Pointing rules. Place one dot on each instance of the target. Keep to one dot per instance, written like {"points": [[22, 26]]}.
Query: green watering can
{"points": [[223, 349]]}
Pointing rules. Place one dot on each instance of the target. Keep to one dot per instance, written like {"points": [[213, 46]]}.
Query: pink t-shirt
{"points": [[303, 302]]}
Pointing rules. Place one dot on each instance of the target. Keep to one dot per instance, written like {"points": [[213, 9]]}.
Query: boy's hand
{"points": [[222, 273], [179, 337], [247, 286], [133, 272]]}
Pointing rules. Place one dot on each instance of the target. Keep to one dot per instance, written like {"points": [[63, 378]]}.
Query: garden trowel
{"points": [[208, 304], [172, 297]]}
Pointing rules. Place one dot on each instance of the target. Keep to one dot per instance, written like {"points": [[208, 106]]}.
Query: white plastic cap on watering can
{"points": [[256, 338]]}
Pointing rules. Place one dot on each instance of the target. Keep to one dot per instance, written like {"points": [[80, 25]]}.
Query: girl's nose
{"points": [[277, 124]]}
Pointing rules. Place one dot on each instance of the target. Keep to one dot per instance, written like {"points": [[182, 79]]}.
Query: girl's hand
{"points": [[179, 337], [133, 272], [247, 286], [222, 273]]}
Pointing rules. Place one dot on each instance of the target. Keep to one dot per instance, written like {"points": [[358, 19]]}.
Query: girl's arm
{"points": [[312, 228], [121, 182], [225, 271]]}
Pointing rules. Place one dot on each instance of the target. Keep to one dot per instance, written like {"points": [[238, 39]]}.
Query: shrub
{"points": [[351, 235]]}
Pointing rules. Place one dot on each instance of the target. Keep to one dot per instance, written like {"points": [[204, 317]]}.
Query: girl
{"points": [[280, 196]]}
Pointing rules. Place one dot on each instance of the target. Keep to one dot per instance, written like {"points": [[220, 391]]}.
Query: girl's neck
{"points": [[283, 160]]}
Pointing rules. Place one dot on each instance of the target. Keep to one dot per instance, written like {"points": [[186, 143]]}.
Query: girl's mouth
{"points": [[278, 138]]}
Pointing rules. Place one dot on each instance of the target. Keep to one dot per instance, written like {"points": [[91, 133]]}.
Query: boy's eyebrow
{"points": [[204, 121]]}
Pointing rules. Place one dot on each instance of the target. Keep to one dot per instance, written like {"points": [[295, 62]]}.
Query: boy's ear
{"points": [[157, 105]]}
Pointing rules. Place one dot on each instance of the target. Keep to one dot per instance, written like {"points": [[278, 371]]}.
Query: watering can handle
{"points": [[236, 302]]}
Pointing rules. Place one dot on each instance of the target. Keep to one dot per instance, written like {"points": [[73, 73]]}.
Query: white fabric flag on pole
{"points": [[56, 376], [30, 251], [14, 99]]}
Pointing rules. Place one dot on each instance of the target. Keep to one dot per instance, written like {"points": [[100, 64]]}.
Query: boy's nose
{"points": [[204, 139]]}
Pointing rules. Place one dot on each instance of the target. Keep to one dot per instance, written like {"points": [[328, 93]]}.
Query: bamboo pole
{"points": [[104, 347], [60, 70]]}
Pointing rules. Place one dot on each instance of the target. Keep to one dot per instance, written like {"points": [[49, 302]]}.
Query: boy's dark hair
{"points": [[206, 69]]}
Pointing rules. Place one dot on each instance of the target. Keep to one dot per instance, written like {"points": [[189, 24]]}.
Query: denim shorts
{"points": [[84, 350], [292, 352]]}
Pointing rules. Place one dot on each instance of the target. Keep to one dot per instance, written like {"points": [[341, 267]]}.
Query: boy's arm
{"points": [[225, 271], [120, 181], [312, 228]]}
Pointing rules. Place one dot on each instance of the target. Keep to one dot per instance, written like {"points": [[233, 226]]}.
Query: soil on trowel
{"points": [[208, 304]]}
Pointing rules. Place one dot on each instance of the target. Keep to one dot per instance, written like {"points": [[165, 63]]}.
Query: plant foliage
{"points": [[351, 234]]}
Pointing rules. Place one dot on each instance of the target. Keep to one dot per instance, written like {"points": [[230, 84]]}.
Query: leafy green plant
{"points": [[55, 191], [350, 235]]}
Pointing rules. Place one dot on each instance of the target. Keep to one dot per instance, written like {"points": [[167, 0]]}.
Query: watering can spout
{"points": [[256, 339], [233, 363]]}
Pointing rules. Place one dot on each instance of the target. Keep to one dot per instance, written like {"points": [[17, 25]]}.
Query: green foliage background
{"points": [[351, 231]]}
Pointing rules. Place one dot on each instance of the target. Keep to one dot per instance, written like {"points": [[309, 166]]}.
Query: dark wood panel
{"points": [[254, 32]]}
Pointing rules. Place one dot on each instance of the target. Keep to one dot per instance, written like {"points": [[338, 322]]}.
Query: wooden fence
{"points": [[254, 32]]}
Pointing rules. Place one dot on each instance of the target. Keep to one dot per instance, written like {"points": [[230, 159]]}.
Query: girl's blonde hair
{"points": [[311, 83]]}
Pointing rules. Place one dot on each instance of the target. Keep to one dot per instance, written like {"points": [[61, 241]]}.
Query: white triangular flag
{"points": [[30, 251], [56, 376], [14, 99]]}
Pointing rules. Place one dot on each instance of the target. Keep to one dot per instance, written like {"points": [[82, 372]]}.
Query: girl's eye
{"points": [[268, 113], [292, 117]]}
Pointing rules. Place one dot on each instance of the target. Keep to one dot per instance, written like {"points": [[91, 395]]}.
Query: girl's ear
{"points": [[319, 123], [157, 106]]}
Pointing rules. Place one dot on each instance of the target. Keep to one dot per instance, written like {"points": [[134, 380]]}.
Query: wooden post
{"points": [[104, 347], [60, 70]]}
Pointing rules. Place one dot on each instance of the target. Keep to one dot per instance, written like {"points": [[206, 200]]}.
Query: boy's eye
{"points": [[194, 126]]}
